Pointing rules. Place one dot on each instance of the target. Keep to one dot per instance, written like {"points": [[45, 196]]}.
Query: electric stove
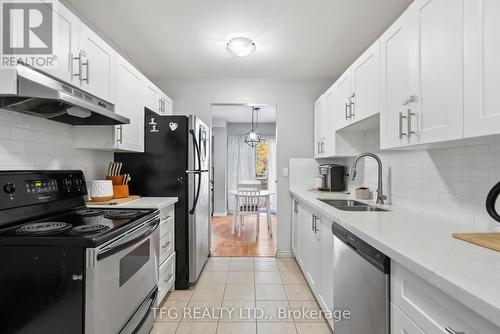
{"points": [[67, 268]]}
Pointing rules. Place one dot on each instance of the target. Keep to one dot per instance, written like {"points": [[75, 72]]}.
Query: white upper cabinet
{"points": [[151, 96], [97, 66], [155, 99], [422, 75], [129, 137], [342, 104], [319, 128], [395, 82], [328, 122], [365, 73], [482, 69], [167, 105], [437, 71], [66, 43]]}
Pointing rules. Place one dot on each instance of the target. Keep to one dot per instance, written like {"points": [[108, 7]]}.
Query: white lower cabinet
{"points": [[400, 324], [430, 309], [312, 246], [166, 277], [296, 231], [325, 294]]}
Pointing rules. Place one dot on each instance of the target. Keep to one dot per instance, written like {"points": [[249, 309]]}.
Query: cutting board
{"points": [[114, 201], [487, 240]]}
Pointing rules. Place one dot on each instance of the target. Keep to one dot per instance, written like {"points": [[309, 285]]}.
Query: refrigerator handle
{"points": [[196, 172]]}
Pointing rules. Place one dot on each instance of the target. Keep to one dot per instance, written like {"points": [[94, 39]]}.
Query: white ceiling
{"points": [[294, 38], [242, 113]]}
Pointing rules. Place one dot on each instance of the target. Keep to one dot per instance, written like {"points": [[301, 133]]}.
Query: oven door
{"points": [[120, 278]]}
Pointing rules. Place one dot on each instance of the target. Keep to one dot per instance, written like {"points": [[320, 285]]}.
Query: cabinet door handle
{"points": [[449, 330], [401, 133], [347, 111], [168, 278], [120, 137], [351, 106], [79, 58], [316, 229], [87, 66], [319, 147], [312, 223], [166, 244], [323, 145], [409, 115]]}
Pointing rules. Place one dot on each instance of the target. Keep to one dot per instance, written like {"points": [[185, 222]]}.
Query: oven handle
{"points": [[152, 298], [119, 246]]}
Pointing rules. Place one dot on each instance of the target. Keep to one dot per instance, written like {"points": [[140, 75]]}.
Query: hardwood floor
{"points": [[224, 243]]}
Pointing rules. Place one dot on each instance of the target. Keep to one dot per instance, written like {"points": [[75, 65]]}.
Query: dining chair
{"points": [[247, 204]]}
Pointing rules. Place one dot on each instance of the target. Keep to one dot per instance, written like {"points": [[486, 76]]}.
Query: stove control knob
{"points": [[67, 185], [9, 188], [78, 184]]}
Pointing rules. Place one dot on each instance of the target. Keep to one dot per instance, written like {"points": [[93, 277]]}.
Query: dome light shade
{"points": [[241, 46]]}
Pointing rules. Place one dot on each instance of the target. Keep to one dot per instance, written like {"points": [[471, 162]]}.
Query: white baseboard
{"points": [[284, 254], [220, 214]]}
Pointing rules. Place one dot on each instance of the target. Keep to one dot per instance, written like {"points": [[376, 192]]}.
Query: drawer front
{"points": [[431, 309], [166, 217], [166, 277], [166, 240], [400, 324]]}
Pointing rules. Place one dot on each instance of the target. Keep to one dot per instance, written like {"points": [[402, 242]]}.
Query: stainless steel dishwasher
{"points": [[361, 285]]}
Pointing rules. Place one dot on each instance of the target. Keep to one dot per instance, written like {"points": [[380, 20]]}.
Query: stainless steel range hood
{"points": [[42, 96]]}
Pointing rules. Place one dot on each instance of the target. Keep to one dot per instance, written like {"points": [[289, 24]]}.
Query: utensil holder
{"points": [[117, 180], [120, 191]]}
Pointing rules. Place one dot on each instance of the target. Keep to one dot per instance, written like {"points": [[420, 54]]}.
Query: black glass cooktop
{"points": [[92, 226]]}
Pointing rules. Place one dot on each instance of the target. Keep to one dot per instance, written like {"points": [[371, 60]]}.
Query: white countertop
{"points": [[144, 203], [424, 244]]}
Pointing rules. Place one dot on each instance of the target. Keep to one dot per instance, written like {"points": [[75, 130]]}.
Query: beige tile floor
{"points": [[246, 286]]}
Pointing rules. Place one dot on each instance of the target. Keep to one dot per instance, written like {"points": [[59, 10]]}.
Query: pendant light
{"points": [[252, 137]]}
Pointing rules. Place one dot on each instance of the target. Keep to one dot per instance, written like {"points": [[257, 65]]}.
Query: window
{"points": [[262, 156]]}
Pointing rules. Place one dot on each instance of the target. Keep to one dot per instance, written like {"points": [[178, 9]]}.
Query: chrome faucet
{"points": [[380, 196]]}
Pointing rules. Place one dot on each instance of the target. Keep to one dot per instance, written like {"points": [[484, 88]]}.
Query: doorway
{"points": [[240, 157]]}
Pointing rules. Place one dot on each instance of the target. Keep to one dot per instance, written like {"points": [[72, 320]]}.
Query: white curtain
{"points": [[240, 165], [241, 162]]}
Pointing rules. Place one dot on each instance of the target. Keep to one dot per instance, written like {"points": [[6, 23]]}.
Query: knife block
{"points": [[119, 190]]}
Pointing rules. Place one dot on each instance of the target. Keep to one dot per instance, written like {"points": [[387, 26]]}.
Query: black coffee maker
{"points": [[333, 177]]}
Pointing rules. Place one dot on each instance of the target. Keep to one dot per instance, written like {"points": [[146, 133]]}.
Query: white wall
{"points": [[27, 142], [265, 129], [451, 182], [294, 100], [219, 160]]}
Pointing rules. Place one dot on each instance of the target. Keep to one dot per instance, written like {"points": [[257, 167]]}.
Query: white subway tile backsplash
{"points": [[28, 142], [451, 182]]}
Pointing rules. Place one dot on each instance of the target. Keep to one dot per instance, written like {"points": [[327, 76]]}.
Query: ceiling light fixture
{"points": [[241, 46], [253, 138]]}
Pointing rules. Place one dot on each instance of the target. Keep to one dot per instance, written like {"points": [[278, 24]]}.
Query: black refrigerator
{"points": [[175, 163]]}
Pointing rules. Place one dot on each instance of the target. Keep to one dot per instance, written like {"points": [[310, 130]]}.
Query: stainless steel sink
{"points": [[350, 205]]}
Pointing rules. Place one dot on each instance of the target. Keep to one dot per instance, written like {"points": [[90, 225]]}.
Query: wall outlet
{"points": [[285, 172]]}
